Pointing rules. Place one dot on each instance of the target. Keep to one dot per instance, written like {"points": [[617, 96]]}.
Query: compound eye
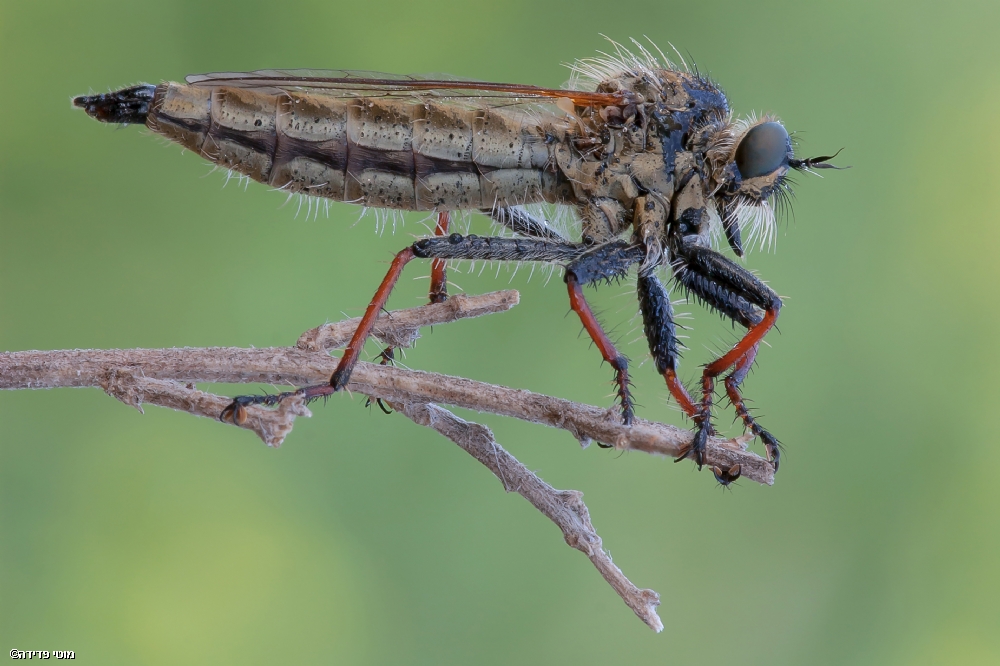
{"points": [[763, 149]]}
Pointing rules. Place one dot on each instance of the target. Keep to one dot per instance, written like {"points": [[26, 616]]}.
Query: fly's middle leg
{"points": [[611, 355], [604, 262]]}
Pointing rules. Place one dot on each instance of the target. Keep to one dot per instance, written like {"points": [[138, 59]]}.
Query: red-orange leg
{"points": [[439, 271], [357, 343], [347, 362], [739, 295], [604, 344], [438, 292], [720, 365], [743, 347], [610, 260], [236, 411], [680, 393], [733, 382]]}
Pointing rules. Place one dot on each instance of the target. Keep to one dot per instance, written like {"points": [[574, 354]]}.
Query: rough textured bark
{"points": [[166, 377]]}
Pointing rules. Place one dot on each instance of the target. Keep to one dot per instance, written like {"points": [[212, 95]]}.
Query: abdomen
{"points": [[412, 155]]}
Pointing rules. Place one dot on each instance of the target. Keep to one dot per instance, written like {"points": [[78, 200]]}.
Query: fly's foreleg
{"points": [[737, 294], [454, 246], [732, 382]]}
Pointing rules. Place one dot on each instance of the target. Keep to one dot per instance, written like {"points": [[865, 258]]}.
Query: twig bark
{"points": [[402, 327], [565, 508], [166, 377], [291, 366], [271, 425]]}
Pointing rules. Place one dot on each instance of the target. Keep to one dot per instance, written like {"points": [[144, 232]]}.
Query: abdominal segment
{"points": [[406, 154]]}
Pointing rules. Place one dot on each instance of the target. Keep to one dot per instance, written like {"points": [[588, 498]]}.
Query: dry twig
{"points": [[565, 508], [166, 377], [402, 327]]}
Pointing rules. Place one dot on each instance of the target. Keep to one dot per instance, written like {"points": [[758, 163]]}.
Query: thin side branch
{"points": [[271, 425], [565, 508], [402, 327]]}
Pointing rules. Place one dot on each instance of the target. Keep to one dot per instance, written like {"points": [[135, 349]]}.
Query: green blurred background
{"points": [[165, 539]]}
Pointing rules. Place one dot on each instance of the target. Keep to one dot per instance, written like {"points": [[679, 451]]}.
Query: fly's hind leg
{"points": [[515, 219], [454, 246], [737, 294], [438, 293], [236, 411], [386, 357]]}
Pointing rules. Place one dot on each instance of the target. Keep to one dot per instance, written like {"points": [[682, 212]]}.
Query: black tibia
{"points": [[604, 262], [457, 246], [125, 107], [658, 322], [520, 222], [737, 294]]}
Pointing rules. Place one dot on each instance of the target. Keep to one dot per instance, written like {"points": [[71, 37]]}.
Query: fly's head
{"points": [[749, 162]]}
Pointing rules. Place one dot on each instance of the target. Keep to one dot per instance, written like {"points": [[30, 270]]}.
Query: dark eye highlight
{"points": [[763, 149]]}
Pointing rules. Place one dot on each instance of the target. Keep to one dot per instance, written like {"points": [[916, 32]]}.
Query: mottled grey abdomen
{"points": [[412, 154]]}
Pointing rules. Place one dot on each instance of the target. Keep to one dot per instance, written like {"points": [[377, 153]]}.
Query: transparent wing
{"points": [[349, 83]]}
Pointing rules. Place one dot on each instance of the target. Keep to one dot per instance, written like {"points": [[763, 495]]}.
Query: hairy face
{"points": [[753, 158], [761, 156]]}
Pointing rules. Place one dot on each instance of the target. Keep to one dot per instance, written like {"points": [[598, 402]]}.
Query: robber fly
{"points": [[647, 153]]}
